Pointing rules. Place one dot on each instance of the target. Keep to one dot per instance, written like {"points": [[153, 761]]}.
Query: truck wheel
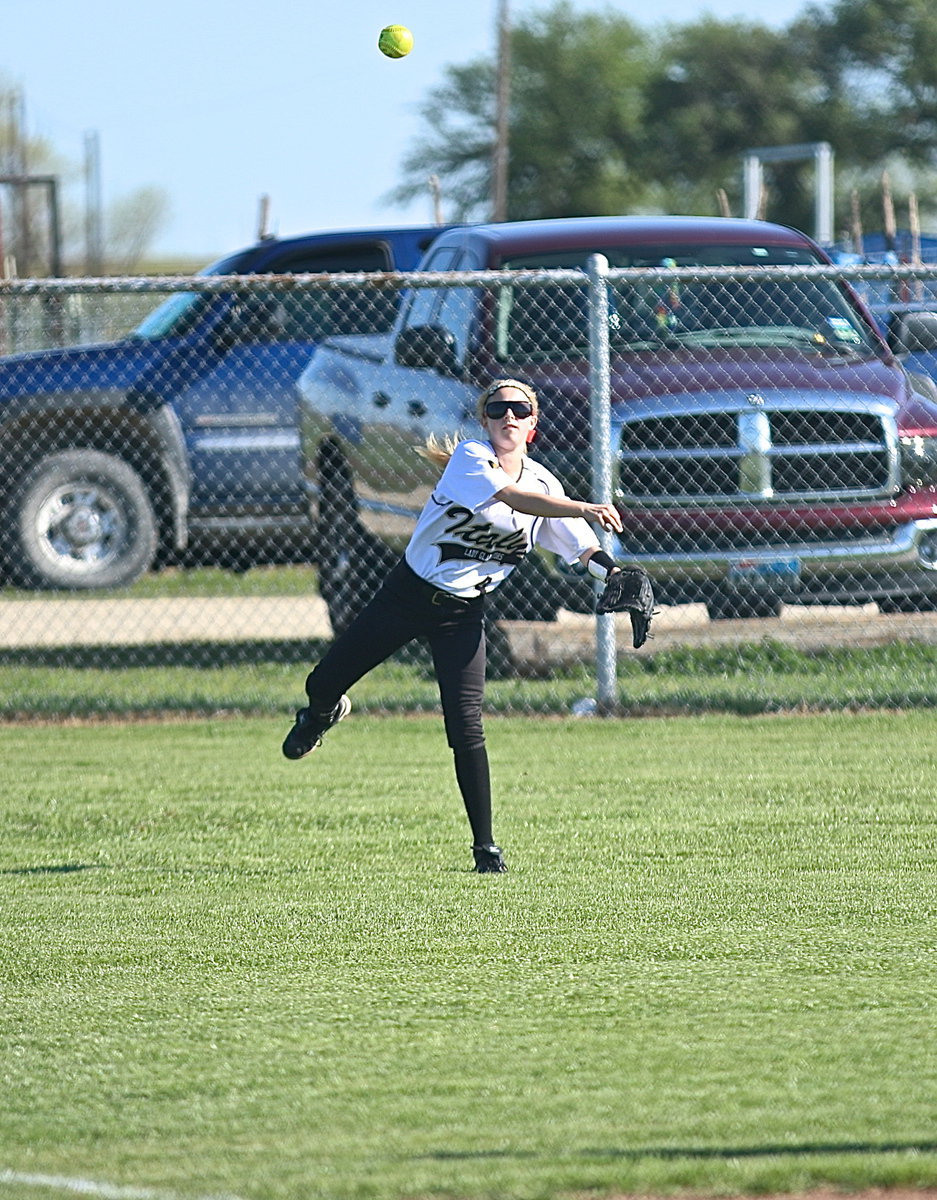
{"points": [[352, 562], [80, 519], [340, 556], [351, 569]]}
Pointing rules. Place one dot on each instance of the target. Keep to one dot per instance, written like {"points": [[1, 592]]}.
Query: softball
{"points": [[396, 41]]}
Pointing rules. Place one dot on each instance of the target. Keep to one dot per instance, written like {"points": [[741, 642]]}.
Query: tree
{"points": [[874, 67], [721, 88], [577, 122], [606, 118], [458, 145], [132, 223], [876, 62], [578, 130]]}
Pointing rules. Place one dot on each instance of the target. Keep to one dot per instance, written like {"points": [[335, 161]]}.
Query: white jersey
{"points": [[465, 542]]}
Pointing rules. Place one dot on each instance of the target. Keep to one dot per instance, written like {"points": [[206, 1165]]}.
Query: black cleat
{"points": [[489, 860], [306, 735]]}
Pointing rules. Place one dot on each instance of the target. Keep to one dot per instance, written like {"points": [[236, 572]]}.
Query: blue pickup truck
{"points": [[113, 454]]}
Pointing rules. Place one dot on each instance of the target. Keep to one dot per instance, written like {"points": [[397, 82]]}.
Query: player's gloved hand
{"points": [[629, 590]]}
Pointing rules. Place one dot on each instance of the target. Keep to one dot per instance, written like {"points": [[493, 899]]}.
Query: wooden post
{"points": [[856, 231], [888, 209], [436, 193], [914, 221]]}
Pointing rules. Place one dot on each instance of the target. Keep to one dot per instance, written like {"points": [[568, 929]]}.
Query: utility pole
{"points": [[94, 240], [499, 196], [15, 166]]}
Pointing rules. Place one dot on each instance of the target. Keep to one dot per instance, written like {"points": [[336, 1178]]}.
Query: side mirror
{"points": [[913, 332], [428, 347]]}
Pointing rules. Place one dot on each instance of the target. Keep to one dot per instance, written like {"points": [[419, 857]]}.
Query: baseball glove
{"points": [[629, 590]]}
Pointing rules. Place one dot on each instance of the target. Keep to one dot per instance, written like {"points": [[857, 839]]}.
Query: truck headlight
{"points": [[919, 461]]}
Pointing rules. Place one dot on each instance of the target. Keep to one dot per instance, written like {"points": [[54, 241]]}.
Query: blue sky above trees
{"points": [[223, 101]]}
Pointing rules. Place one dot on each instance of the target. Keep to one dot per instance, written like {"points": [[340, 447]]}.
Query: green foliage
{"points": [[579, 82], [610, 117], [702, 118], [710, 969], [460, 116], [887, 51], [279, 580], [576, 114]]}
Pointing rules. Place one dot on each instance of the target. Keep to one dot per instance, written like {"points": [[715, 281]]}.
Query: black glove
{"points": [[629, 590]]}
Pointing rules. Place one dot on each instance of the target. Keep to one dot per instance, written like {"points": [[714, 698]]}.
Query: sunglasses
{"points": [[496, 409]]}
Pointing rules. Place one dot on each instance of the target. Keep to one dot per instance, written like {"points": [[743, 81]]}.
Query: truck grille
{"points": [[757, 453]]}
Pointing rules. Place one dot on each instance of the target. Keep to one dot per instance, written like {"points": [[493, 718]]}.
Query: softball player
{"points": [[490, 506]]}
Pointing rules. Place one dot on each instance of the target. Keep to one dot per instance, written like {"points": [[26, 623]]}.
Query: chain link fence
{"points": [[205, 472]]}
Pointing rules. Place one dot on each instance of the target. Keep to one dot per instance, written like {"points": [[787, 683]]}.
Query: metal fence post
{"points": [[606, 655]]}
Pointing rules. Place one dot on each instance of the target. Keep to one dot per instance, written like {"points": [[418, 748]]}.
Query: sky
{"points": [[222, 102]]}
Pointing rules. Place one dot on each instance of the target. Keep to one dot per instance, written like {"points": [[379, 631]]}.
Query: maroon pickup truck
{"points": [[769, 447]]}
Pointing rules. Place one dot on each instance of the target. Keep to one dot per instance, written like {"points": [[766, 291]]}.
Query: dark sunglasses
{"points": [[496, 409]]}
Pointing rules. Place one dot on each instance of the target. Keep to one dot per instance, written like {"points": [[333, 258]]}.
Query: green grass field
{"points": [[259, 678], [712, 967]]}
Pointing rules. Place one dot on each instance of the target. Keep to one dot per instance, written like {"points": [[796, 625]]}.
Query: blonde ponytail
{"points": [[438, 452]]}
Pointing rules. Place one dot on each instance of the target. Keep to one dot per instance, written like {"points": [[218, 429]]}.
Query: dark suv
{"points": [[188, 426], [769, 446]]}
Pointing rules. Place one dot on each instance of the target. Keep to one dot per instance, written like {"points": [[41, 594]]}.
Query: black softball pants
{"points": [[404, 609]]}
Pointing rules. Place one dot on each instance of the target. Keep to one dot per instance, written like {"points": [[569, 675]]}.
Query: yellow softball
{"points": [[396, 41]]}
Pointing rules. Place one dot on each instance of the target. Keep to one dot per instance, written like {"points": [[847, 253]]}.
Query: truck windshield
{"points": [[179, 312], [543, 323]]}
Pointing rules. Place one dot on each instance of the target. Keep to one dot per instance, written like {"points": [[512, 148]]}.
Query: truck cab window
{"points": [[424, 301], [310, 316]]}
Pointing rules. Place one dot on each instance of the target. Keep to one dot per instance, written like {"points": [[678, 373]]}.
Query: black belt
{"points": [[435, 595]]}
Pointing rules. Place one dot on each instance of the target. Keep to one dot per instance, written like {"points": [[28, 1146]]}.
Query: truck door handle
{"points": [[416, 408], [380, 399]]}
